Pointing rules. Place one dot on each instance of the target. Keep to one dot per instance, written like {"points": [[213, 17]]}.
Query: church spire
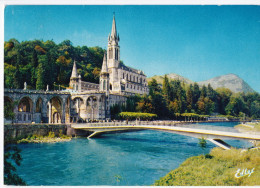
{"points": [[113, 31], [104, 65], [74, 73]]}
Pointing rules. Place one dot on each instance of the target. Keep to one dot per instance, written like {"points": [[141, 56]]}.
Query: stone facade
{"points": [[39, 106], [83, 101], [122, 79]]}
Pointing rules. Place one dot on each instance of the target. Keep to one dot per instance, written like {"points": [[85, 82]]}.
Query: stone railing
{"points": [[35, 91]]}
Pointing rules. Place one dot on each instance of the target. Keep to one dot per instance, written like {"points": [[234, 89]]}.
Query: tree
{"points": [[18, 81], [40, 85], [202, 143], [154, 87], [203, 92], [196, 95], [189, 95], [166, 89], [235, 105], [12, 156], [145, 105], [224, 97]]}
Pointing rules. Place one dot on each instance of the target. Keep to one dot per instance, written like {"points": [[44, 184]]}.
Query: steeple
{"points": [[114, 36], [113, 31], [74, 73], [104, 65]]}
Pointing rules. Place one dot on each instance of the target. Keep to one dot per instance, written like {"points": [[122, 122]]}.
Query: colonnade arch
{"points": [[55, 110], [25, 105]]}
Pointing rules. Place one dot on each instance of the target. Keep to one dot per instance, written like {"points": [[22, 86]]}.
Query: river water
{"points": [[130, 158]]}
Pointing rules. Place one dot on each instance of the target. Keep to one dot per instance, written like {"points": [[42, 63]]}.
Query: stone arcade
{"points": [[86, 101]]}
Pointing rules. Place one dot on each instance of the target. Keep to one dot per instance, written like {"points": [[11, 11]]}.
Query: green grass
{"points": [[217, 169], [255, 128]]}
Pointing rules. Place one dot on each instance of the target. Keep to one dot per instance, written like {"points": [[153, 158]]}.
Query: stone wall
{"points": [[18, 131]]}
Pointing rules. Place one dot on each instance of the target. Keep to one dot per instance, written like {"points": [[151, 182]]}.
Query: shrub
{"points": [[137, 115], [51, 134]]}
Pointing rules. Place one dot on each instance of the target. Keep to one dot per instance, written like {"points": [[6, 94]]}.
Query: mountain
{"points": [[230, 81], [171, 76]]}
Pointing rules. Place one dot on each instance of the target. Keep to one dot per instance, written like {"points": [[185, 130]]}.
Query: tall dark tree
{"points": [[40, 83], [196, 95], [189, 95], [154, 87], [18, 81], [166, 89]]}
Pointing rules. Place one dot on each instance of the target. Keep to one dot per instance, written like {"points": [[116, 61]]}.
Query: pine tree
{"points": [[189, 95], [166, 88], [196, 93], [18, 78], [40, 78], [203, 92]]}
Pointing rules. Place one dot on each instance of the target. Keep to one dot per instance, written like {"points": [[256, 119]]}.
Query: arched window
{"points": [[123, 76], [126, 76], [110, 54], [116, 54], [104, 85]]}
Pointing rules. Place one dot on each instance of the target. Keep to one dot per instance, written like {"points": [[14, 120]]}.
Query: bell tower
{"points": [[113, 56]]}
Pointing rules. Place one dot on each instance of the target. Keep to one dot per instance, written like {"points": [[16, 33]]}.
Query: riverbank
{"points": [[51, 138], [250, 128], [216, 169]]}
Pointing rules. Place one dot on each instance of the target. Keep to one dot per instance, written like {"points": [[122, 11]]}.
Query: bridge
{"points": [[215, 136]]}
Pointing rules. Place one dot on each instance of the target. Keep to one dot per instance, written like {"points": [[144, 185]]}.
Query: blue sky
{"points": [[197, 42]]}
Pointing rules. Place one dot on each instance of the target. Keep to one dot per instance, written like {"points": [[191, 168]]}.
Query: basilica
{"points": [[82, 101]]}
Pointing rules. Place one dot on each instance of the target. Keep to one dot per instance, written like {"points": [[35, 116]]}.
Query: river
{"points": [[130, 158]]}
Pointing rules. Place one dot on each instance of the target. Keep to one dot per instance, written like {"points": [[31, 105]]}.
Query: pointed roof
{"points": [[113, 31], [74, 73], [104, 65]]}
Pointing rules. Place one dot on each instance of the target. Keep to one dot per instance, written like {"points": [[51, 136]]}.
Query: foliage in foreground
{"points": [[12, 157], [217, 170]]}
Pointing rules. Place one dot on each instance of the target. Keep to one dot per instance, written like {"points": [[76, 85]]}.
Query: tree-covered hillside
{"points": [[39, 63], [177, 100]]}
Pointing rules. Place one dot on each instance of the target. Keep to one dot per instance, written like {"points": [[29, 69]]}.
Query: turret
{"points": [[74, 73], [104, 76], [75, 79]]}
